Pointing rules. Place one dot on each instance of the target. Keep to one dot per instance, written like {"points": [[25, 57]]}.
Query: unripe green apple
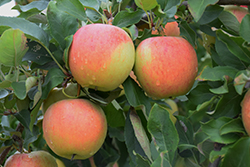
{"points": [[146, 4], [101, 56], [165, 66], [245, 111], [237, 11], [33, 159], [74, 128]]}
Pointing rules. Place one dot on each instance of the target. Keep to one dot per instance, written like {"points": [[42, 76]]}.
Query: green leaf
{"points": [[23, 117], [30, 137], [126, 18], [146, 4], [4, 2], [240, 81], [222, 89], [162, 161], [73, 7], [235, 45], [233, 126], [229, 21], [135, 94], [141, 161], [33, 115], [163, 131], [229, 104], [188, 33], [212, 129], [61, 24], [37, 5], [12, 47], [19, 89], [3, 93], [31, 30], [92, 4], [244, 28], [216, 154], [198, 8], [53, 78], [133, 146], [140, 133], [115, 118], [238, 155], [216, 73], [211, 13]]}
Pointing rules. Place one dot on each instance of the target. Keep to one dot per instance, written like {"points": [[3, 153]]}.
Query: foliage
{"points": [[33, 60]]}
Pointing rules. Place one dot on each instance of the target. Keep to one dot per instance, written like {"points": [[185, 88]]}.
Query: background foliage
{"points": [[209, 129]]}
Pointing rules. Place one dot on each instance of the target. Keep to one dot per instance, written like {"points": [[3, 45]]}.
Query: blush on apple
{"points": [[165, 66], [237, 11], [101, 56]]}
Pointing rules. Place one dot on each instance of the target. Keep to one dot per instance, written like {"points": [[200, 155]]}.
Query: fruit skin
{"points": [[165, 66], [33, 159], [60, 163], [245, 110], [170, 29], [237, 11], [74, 126], [101, 56]]}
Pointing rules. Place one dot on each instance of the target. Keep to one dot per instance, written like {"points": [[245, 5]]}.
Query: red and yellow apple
{"points": [[74, 128], [165, 66], [101, 56], [33, 159], [245, 111], [170, 29], [237, 11]]}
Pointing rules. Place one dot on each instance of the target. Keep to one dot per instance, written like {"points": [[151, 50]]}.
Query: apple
{"points": [[172, 110], [59, 163], [101, 56], [237, 11], [74, 128], [170, 29], [165, 66], [146, 4], [245, 110], [33, 159]]}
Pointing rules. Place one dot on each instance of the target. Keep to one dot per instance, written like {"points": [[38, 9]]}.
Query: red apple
{"points": [[245, 104], [33, 159], [237, 11], [74, 128], [170, 29], [101, 56], [165, 66]]}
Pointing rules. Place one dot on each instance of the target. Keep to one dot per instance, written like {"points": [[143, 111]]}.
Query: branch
{"points": [[234, 2]]}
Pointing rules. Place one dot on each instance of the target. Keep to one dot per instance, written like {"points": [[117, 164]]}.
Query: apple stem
{"points": [[92, 161], [73, 156]]}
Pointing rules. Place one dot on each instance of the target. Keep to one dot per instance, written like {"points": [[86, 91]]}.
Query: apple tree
{"points": [[201, 127]]}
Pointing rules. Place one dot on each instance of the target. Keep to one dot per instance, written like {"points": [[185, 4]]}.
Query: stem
{"points": [[149, 21], [92, 161]]}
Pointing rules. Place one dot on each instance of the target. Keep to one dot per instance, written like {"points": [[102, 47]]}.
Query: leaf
{"points": [[61, 24], [212, 129], [161, 161], [197, 9], [92, 4], [135, 94], [23, 117], [19, 89], [33, 115], [126, 18], [73, 7], [2, 2], [244, 28], [140, 161], [216, 73], [140, 133], [222, 89], [233, 126], [235, 45], [146, 5], [12, 47], [240, 81], [163, 131], [229, 21], [37, 5], [115, 118], [3, 93], [188, 33], [68, 40], [238, 154], [53, 78], [211, 13], [31, 30], [133, 146], [30, 137], [30, 82]]}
